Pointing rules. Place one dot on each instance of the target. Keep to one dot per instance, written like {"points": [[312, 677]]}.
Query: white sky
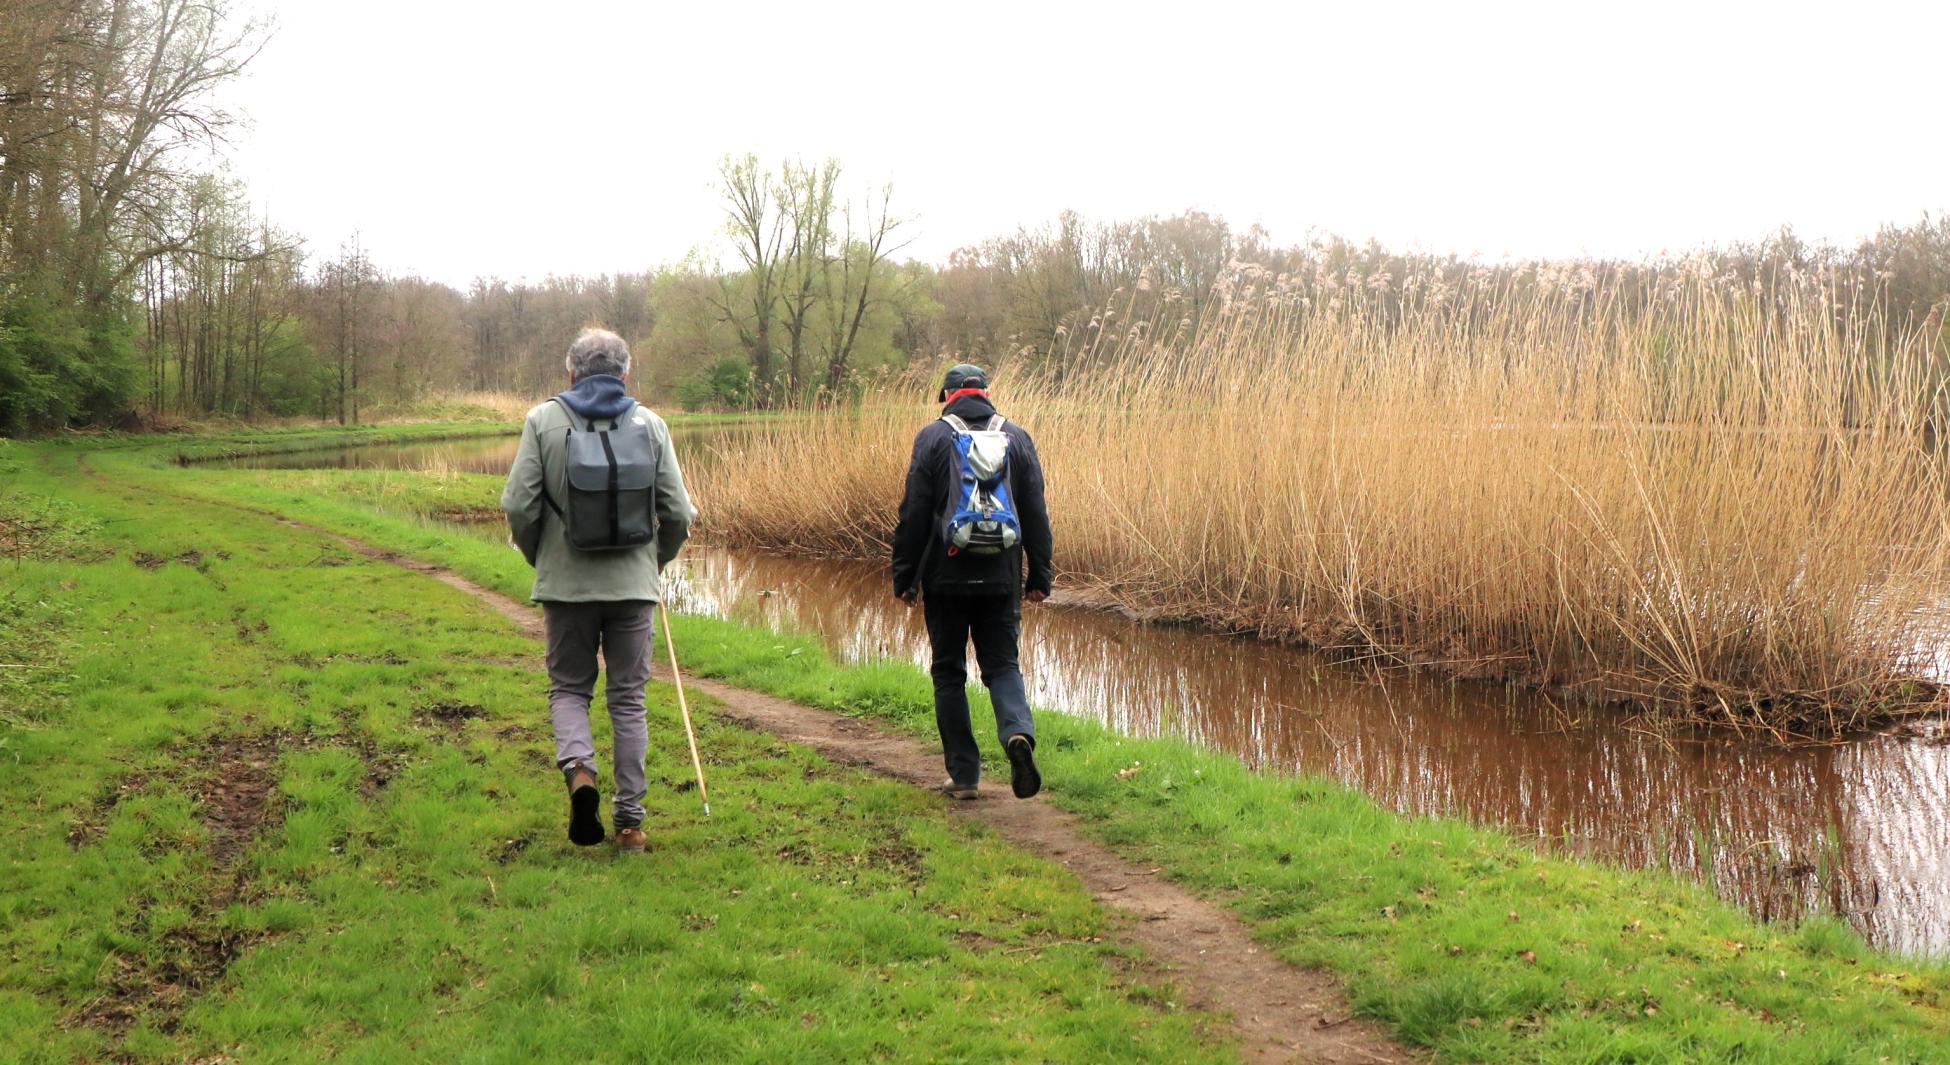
{"points": [[583, 136]]}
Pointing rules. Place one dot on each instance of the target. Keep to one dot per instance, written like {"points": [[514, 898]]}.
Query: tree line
{"points": [[136, 282]]}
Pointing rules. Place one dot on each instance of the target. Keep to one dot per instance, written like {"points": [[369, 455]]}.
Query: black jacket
{"points": [[921, 560]]}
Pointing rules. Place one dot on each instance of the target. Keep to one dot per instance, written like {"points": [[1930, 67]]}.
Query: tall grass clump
{"points": [[1718, 498]]}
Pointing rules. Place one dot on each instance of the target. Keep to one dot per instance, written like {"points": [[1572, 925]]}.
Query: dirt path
{"points": [[1283, 1013]]}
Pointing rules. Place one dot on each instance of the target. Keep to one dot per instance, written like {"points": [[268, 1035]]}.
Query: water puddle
{"points": [[1858, 829]]}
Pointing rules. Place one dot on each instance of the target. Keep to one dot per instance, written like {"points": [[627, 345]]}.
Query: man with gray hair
{"points": [[598, 542]]}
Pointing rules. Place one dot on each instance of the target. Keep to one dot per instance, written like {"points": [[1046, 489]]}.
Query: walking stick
{"points": [[684, 707]]}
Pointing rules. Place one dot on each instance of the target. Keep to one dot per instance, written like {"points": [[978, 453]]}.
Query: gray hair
{"points": [[597, 351]]}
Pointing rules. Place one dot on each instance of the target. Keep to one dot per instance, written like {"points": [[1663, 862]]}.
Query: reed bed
{"points": [[1713, 498]]}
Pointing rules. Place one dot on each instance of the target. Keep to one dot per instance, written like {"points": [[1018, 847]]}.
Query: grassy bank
{"points": [[1706, 496], [268, 800], [1464, 939]]}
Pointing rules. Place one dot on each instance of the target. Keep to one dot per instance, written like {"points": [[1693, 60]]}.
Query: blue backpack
{"points": [[982, 508]]}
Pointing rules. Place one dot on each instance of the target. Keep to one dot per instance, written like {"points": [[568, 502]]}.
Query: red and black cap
{"points": [[961, 379]]}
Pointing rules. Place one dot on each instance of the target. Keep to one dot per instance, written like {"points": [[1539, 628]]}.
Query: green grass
{"points": [[1464, 939], [409, 895]]}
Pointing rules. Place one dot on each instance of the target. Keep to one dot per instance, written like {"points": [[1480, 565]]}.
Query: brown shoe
{"points": [[632, 840], [585, 802], [955, 790]]}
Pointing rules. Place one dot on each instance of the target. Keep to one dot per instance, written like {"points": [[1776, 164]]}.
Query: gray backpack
{"points": [[612, 503]]}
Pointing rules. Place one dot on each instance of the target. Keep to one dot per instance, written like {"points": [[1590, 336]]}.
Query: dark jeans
{"points": [[995, 622]]}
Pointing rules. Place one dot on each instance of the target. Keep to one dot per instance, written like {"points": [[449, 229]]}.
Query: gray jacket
{"points": [[562, 573]]}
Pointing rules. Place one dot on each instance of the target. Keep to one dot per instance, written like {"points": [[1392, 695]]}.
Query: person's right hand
{"points": [[1036, 596]]}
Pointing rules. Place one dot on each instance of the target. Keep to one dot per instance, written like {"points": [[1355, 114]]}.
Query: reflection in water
{"points": [[490, 454], [1860, 829], [493, 454]]}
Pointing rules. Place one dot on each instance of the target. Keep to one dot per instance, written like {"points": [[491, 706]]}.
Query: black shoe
{"points": [[585, 827], [1024, 780]]}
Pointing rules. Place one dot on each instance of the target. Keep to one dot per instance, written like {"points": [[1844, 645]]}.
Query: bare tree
{"points": [[343, 285], [103, 104], [757, 230], [850, 289], [806, 196]]}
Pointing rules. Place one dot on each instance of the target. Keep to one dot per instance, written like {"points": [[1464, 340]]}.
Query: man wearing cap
{"points": [[968, 595]]}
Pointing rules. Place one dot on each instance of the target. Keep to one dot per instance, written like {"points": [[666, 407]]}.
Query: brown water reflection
{"points": [[1860, 829], [492, 454], [485, 454]]}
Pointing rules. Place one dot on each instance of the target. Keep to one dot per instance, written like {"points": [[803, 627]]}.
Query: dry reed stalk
{"points": [[1711, 498]]}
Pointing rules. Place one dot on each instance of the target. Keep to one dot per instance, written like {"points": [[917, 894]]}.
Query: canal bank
{"points": [[1463, 938], [1855, 830]]}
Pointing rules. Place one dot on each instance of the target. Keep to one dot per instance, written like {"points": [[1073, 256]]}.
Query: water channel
{"points": [[1859, 829]]}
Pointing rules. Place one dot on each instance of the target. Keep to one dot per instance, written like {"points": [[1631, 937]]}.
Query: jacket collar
{"points": [[975, 410]]}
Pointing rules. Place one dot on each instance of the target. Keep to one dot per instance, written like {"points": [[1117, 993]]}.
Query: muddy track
{"points": [[1281, 1012], [235, 790]]}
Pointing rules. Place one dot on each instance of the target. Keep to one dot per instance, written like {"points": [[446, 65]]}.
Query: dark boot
{"points": [[1024, 779], [585, 802]]}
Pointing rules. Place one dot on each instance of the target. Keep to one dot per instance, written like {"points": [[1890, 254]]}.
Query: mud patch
{"points": [[235, 796], [380, 771], [88, 826], [508, 850], [900, 858], [150, 561], [450, 716], [452, 711], [521, 732], [248, 629]]}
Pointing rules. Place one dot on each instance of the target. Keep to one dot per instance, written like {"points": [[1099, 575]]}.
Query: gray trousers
{"points": [[625, 633]]}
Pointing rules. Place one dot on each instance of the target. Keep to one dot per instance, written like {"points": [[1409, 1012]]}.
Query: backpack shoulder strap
{"points": [[996, 423], [954, 422], [585, 423]]}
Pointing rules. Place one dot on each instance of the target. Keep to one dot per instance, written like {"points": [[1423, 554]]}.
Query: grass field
{"points": [[267, 800], [403, 891]]}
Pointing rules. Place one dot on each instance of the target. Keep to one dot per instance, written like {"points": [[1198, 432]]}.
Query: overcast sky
{"points": [[583, 136]]}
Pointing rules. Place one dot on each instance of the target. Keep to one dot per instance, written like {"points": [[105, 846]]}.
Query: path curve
{"points": [[1282, 1012]]}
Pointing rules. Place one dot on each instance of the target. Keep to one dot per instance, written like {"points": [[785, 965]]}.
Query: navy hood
{"points": [[975, 410], [599, 396]]}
